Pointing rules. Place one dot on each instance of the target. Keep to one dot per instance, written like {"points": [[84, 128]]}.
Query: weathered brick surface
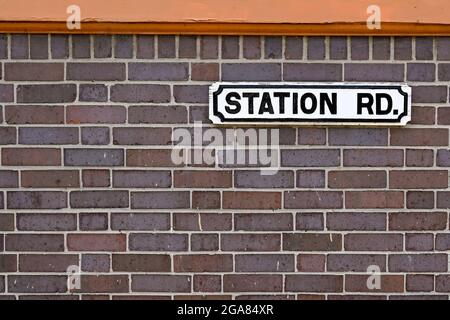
{"points": [[88, 181]]}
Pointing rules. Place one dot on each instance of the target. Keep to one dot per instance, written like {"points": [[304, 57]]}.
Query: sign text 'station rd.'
{"points": [[310, 103]]}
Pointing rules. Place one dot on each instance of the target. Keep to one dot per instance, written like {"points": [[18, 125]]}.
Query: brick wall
{"points": [[86, 177]]}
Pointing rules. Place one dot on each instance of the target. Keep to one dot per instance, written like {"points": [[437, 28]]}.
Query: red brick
{"points": [[360, 179], [202, 179], [313, 200], [141, 263], [47, 263], [206, 200], [31, 157], [373, 242], [263, 222], [252, 283], [161, 283], [409, 221], [312, 242], [34, 114], [203, 263], [265, 263], [374, 199], [418, 179], [205, 72], [419, 137], [96, 114], [314, 283], [311, 263], [96, 242], [251, 200], [50, 179], [250, 242], [389, 283], [104, 284]]}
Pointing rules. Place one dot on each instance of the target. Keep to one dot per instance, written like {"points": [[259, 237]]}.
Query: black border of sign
{"points": [[292, 120]]}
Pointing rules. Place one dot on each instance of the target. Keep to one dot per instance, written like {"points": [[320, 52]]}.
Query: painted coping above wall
{"points": [[282, 17]]}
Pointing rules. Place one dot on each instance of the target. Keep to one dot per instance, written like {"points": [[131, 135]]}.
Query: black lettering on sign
{"points": [[310, 103]]}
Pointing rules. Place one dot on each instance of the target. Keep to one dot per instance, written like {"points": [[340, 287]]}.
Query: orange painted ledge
{"points": [[269, 17], [342, 29]]}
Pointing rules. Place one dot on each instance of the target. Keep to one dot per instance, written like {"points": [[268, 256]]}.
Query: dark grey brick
{"points": [[46, 93], [310, 158], [357, 137], [123, 48], [39, 46], [99, 199], [359, 48], [102, 46], [160, 200], [312, 72], [136, 93], [93, 93], [96, 71], [338, 48], [145, 47], [251, 72], [424, 48], [93, 157], [381, 48], [81, 46], [316, 48], [421, 72], [50, 136], [374, 72], [36, 200], [158, 71]]}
